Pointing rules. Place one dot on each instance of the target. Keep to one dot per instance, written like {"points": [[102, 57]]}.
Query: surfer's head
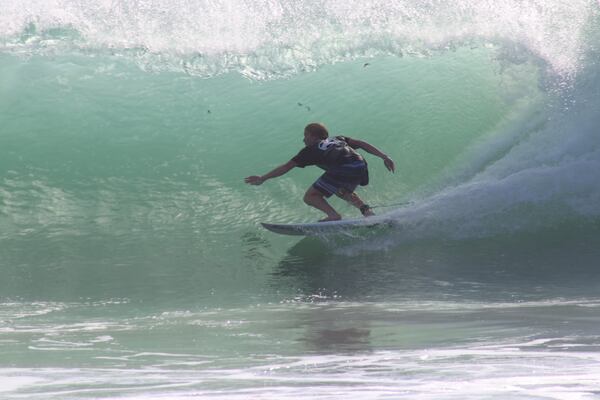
{"points": [[315, 132]]}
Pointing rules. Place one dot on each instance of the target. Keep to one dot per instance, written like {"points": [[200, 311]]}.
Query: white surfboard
{"points": [[329, 227]]}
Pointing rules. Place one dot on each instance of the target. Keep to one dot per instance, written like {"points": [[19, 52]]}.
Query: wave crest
{"points": [[281, 37]]}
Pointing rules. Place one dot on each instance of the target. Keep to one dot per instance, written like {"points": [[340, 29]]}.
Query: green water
{"points": [[125, 184]]}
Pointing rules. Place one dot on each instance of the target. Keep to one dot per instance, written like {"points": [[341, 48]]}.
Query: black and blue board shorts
{"points": [[343, 179]]}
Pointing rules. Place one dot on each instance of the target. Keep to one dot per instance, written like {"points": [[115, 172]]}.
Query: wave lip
{"points": [[274, 38]]}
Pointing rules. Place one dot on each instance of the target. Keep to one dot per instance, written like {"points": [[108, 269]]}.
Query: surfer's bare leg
{"points": [[316, 199], [356, 201]]}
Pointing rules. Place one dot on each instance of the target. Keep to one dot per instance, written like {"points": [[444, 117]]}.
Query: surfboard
{"points": [[329, 227]]}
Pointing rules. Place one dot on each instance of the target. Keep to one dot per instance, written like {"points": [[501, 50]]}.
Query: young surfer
{"points": [[345, 169]]}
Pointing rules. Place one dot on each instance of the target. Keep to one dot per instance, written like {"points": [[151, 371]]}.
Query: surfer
{"points": [[345, 169]]}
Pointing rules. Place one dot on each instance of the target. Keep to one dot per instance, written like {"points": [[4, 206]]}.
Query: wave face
{"points": [[128, 128]]}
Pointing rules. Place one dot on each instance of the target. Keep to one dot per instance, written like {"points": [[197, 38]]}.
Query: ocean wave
{"points": [[280, 38]]}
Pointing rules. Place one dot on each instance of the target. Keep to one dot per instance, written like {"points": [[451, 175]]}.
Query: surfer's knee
{"points": [[311, 195], [306, 198], [343, 194]]}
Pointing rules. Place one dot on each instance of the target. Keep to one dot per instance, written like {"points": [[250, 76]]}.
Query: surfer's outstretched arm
{"points": [[369, 148], [282, 169]]}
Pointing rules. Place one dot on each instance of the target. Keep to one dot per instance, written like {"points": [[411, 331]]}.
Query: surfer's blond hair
{"points": [[316, 130]]}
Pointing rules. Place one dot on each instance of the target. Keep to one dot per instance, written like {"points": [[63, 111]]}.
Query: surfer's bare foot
{"points": [[331, 218], [366, 210]]}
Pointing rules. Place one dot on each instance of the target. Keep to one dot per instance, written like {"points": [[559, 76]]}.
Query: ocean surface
{"points": [[132, 261]]}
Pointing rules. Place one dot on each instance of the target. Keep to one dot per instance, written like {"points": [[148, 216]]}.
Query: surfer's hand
{"points": [[389, 164], [254, 180]]}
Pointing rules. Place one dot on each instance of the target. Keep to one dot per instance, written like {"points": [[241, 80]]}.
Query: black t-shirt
{"points": [[327, 153]]}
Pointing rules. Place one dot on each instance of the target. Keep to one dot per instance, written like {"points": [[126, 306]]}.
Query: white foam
{"points": [[262, 38], [459, 372], [530, 176]]}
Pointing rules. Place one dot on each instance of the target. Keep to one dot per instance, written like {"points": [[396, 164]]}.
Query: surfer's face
{"points": [[306, 138], [309, 139]]}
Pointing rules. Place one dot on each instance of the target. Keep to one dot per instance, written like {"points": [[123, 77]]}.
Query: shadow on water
{"points": [[561, 262]]}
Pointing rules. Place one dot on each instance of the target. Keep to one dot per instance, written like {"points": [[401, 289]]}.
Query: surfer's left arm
{"points": [[282, 169], [369, 148]]}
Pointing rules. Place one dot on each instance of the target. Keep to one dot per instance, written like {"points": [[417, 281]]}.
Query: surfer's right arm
{"points": [[369, 148], [282, 169]]}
